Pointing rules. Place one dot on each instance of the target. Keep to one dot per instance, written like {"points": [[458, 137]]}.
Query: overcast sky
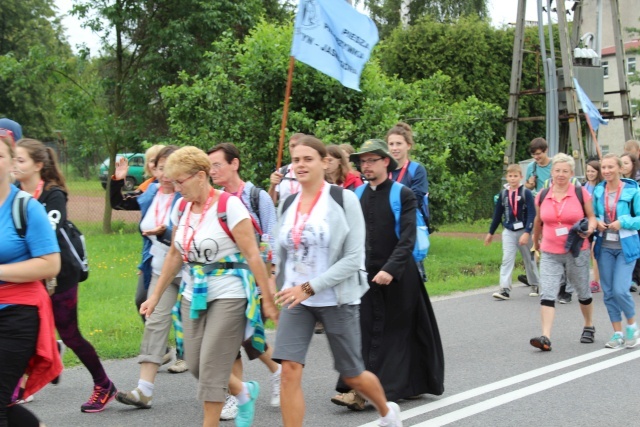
{"points": [[501, 12]]}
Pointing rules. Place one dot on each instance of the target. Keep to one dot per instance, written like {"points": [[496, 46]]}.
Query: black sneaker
{"points": [[523, 279], [502, 295], [564, 298], [541, 342]]}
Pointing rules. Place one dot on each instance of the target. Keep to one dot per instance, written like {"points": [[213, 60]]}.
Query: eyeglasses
{"points": [[216, 166], [370, 162], [181, 183]]}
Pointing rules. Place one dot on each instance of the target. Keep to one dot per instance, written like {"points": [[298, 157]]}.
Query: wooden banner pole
{"points": [[285, 111]]}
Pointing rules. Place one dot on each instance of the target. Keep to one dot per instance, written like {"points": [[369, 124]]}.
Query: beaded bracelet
{"points": [[306, 287]]}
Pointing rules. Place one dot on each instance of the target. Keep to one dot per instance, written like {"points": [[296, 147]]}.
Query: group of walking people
{"points": [[216, 263], [568, 222]]}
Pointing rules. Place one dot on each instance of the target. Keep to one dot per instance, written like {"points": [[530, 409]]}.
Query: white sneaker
{"points": [[275, 389], [230, 408], [394, 414], [632, 335], [179, 367]]}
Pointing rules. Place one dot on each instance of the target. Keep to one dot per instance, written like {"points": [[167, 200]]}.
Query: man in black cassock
{"points": [[400, 338]]}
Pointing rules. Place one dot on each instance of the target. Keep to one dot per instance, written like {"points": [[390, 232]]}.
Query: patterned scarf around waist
{"points": [[255, 327]]}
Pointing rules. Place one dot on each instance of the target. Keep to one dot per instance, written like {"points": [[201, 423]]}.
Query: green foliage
{"points": [[239, 100], [477, 58], [84, 116], [31, 46]]}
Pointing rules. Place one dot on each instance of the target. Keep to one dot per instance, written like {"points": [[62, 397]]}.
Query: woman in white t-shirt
{"points": [[218, 298], [320, 244]]}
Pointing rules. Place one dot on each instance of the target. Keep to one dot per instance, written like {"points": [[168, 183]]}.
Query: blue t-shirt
{"points": [[39, 240], [542, 172]]}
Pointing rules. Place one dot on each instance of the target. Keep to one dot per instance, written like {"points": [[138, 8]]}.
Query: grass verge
{"points": [[82, 187], [106, 309], [459, 264], [479, 226]]}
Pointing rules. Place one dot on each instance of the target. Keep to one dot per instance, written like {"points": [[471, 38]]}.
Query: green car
{"points": [[135, 175]]}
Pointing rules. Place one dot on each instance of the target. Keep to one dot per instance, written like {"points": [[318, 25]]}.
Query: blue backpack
{"points": [[424, 203], [421, 248]]}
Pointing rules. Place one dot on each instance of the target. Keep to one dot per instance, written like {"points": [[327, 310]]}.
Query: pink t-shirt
{"points": [[558, 216]]}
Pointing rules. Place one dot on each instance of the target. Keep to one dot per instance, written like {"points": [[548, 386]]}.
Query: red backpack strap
{"points": [[181, 207], [222, 213], [222, 216]]}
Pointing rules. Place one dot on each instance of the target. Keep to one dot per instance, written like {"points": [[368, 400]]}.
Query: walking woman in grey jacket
{"points": [[320, 243]]}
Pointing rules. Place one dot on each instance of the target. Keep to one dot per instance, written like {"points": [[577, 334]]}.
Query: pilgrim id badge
{"points": [[518, 225], [562, 231], [612, 237]]}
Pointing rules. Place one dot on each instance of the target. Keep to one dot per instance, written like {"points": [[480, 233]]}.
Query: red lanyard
{"points": [[402, 172], [611, 213], [38, 191], [238, 193], [296, 232], [555, 205], [186, 240], [514, 204], [160, 221]]}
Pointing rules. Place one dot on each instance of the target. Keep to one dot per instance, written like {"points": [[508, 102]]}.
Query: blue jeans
{"points": [[615, 277]]}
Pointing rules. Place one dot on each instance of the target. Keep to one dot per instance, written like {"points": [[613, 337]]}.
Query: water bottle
{"points": [[51, 285], [265, 251]]}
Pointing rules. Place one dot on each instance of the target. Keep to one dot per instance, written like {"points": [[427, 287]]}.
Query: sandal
{"points": [[588, 335], [541, 342]]}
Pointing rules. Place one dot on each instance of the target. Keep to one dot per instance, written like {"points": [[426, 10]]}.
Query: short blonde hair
{"points": [[514, 167], [563, 158], [151, 153], [187, 160]]}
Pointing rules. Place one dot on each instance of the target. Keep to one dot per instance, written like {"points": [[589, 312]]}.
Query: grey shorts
{"points": [[341, 325], [553, 268]]}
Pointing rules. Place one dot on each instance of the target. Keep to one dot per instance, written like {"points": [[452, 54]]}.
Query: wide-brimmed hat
{"points": [[376, 146]]}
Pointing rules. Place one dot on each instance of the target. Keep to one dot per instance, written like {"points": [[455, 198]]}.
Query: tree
{"points": [[31, 49], [387, 14], [239, 99], [145, 45]]}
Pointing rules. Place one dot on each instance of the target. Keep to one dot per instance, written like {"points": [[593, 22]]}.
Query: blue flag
{"points": [[587, 106], [334, 38]]}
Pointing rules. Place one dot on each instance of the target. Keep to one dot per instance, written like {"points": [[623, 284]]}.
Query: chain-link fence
{"points": [[86, 203]]}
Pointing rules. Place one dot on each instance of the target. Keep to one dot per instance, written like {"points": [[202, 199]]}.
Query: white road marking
{"points": [[526, 391], [469, 394]]}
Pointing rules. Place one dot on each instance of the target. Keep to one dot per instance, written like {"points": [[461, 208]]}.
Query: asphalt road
{"points": [[493, 377]]}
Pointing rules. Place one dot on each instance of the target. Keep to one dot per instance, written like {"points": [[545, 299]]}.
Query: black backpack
{"points": [[74, 266], [254, 199]]}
